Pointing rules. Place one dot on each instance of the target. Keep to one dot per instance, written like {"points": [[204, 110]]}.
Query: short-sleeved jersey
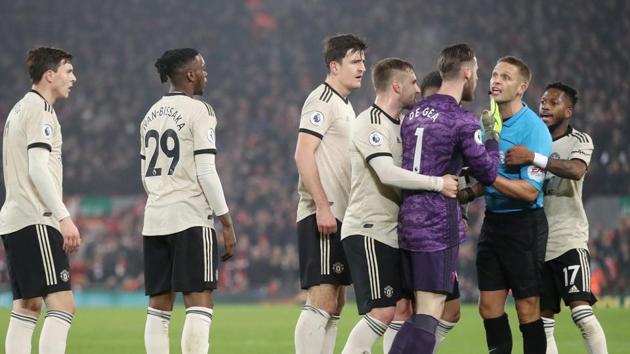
{"points": [[524, 128], [439, 137], [32, 123], [175, 129], [373, 207], [327, 116], [568, 225]]}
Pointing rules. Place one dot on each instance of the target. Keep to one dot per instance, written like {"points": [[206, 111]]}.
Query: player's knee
{"points": [[528, 309], [488, 309], [451, 316], [31, 306], [385, 315]]}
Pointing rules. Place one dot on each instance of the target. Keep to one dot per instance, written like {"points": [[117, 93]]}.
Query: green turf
{"points": [[261, 329]]}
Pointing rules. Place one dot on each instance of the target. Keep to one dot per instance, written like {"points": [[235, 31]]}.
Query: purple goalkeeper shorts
{"points": [[434, 272]]}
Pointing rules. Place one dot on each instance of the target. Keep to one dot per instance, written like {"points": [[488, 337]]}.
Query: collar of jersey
{"points": [[521, 112], [39, 94], [395, 121], [569, 131], [344, 99], [176, 93]]}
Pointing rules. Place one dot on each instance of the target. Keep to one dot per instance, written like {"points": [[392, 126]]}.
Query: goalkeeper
{"points": [[511, 248]]}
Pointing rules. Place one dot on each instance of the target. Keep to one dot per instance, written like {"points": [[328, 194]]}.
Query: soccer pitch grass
{"points": [[262, 329]]}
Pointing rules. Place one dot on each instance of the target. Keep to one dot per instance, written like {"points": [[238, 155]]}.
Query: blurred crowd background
{"points": [[263, 57]]}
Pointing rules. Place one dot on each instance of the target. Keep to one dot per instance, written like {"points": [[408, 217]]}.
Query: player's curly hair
{"points": [[568, 90], [39, 60], [172, 60]]}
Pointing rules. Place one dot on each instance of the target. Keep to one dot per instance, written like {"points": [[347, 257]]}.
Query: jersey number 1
{"points": [[417, 154], [173, 152]]}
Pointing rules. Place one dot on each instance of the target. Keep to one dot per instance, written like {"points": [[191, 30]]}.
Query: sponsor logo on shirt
{"points": [[47, 131], [376, 139], [317, 118], [535, 173]]}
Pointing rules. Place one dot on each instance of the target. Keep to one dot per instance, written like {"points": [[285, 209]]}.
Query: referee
{"points": [[511, 248]]}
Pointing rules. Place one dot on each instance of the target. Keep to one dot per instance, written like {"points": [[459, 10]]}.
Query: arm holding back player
{"points": [[573, 169], [307, 168], [390, 174], [43, 182]]}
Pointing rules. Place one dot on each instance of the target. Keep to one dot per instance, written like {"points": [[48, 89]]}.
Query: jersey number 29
{"points": [[163, 144]]}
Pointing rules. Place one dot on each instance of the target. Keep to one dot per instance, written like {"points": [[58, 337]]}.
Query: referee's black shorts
{"points": [[511, 252]]}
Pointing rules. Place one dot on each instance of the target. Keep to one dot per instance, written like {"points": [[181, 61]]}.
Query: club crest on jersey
{"points": [[536, 173], [555, 155], [317, 118], [47, 131], [338, 267], [211, 135], [389, 291], [478, 137], [376, 139], [64, 275]]}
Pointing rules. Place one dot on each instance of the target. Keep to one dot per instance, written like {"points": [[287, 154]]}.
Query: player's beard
{"points": [[468, 93]]}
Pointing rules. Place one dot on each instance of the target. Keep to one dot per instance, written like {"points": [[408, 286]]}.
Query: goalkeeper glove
{"points": [[491, 121]]}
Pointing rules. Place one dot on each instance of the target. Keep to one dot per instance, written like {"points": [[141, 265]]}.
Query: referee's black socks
{"points": [[534, 339], [499, 336]]}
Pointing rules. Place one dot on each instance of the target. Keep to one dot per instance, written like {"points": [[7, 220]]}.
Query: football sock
{"points": [[52, 340], [363, 336], [310, 330], [196, 333], [19, 333], [592, 332], [498, 335], [549, 323], [390, 334], [416, 336], [534, 339], [441, 331], [156, 331], [331, 335]]}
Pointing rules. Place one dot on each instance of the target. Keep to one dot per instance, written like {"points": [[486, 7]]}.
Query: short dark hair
{"points": [[523, 69], [336, 47], [42, 59], [568, 90], [451, 59], [384, 70], [433, 79], [172, 60]]}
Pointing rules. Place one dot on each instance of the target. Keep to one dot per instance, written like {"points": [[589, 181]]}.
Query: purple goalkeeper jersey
{"points": [[439, 137]]}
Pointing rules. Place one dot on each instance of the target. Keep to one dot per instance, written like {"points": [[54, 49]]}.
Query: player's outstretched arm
{"points": [[307, 168], [43, 182], [390, 174], [573, 169]]}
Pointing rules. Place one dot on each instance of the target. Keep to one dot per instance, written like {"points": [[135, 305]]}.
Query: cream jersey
{"points": [[32, 123], [327, 116], [568, 225], [175, 129], [373, 207]]}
